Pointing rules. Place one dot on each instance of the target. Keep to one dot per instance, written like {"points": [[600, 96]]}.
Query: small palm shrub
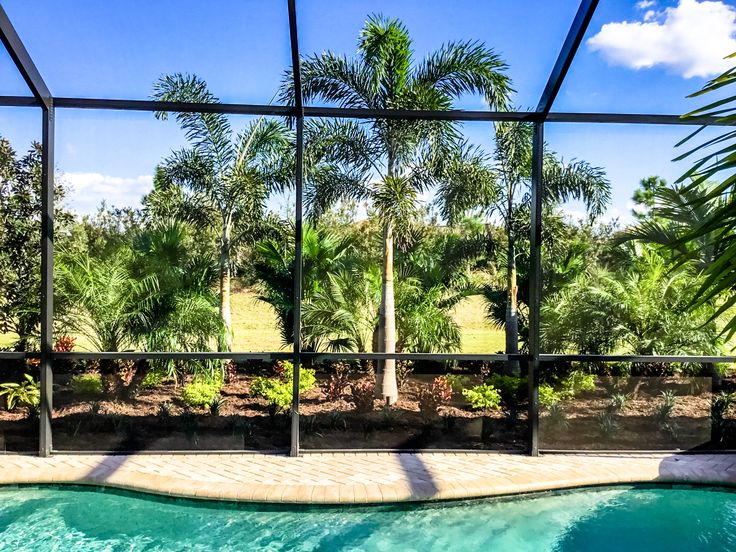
{"points": [[607, 423], [26, 393], [664, 411], [619, 401], [86, 384], [721, 404], [200, 393]]}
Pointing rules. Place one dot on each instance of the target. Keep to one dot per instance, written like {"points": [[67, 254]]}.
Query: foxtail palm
{"points": [[508, 192], [389, 162], [229, 176]]}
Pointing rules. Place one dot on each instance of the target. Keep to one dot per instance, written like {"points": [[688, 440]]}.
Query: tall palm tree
{"points": [[229, 176], [389, 162], [507, 195]]}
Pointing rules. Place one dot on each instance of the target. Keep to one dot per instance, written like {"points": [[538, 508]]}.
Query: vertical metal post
{"points": [[535, 285], [47, 278], [298, 182]]}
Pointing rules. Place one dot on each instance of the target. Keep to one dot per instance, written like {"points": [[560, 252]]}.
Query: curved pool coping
{"points": [[363, 478]]}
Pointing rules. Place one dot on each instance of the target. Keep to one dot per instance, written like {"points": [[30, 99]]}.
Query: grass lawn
{"points": [[256, 327]]}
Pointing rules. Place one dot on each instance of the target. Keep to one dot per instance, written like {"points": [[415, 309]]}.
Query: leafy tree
{"points": [[507, 195], [389, 162], [228, 178], [20, 241]]}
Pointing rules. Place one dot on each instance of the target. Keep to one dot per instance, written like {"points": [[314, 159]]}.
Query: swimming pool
{"points": [[613, 518]]}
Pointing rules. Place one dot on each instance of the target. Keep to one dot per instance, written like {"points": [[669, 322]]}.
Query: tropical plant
{"points": [[717, 160], [201, 392], [389, 162], [483, 397], [674, 213], [26, 393], [101, 300], [323, 252], [506, 194], [642, 309], [432, 397], [228, 177], [182, 315], [278, 390], [86, 384]]}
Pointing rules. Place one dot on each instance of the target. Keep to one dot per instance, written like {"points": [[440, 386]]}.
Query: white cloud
{"points": [[644, 4], [691, 39], [88, 190]]}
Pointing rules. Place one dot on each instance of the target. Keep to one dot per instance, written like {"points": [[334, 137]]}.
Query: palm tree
{"points": [[322, 254], [389, 162], [101, 300], [230, 177], [640, 309], [677, 212], [507, 196]]}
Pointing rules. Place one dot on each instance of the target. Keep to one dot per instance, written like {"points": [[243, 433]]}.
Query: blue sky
{"points": [[640, 56]]}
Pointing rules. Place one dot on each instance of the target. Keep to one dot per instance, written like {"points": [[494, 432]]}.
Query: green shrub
{"points": [[512, 388], [153, 378], [483, 397], [458, 382], [26, 393], [548, 397], [277, 390], [86, 384], [575, 383], [200, 393]]}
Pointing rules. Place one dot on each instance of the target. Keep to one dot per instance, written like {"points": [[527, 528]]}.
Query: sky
{"points": [[639, 56]]}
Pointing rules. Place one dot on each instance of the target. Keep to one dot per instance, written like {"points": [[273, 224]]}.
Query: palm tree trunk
{"points": [[225, 277], [386, 373], [512, 314]]}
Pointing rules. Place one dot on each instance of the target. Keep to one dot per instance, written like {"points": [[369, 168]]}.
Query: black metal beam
{"points": [[181, 107], [317, 357], [535, 285], [14, 45], [347, 113], [166, 355], [703, 359], [567, 54], [634, 119], [299, 188], [47, 279]]}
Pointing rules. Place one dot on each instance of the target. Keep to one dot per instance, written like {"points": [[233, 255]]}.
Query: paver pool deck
{"points": [[338, 478]]}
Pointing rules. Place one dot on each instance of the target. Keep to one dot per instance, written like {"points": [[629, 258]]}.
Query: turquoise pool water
{"points": [[49, 518]]}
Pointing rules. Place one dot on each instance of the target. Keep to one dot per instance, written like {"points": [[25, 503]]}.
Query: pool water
{"points": [[616, 518]]}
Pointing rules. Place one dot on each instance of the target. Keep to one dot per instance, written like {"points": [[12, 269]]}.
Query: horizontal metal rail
{"points": [[320, 356], [162, 355], [637, 358], [357, 113]]}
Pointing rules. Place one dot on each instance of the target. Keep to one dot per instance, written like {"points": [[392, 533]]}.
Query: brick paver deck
{"points": [[362, 477]]}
